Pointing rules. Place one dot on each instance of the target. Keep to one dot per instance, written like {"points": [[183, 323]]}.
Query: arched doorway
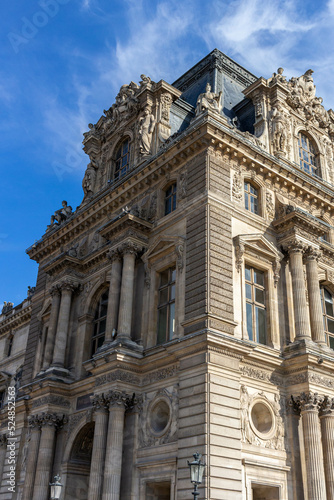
{"points": [[78, 467]]}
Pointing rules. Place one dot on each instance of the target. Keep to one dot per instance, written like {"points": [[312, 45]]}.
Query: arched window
{"points": [[251, 198], [328, 312], [100, 320], [122, 160], [307, 154], [170, 199]]}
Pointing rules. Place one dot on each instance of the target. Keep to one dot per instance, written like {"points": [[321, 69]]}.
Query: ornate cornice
{"points": [[16, 319]]}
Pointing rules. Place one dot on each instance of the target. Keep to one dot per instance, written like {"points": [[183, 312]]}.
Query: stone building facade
{"points": [[187, 304]]}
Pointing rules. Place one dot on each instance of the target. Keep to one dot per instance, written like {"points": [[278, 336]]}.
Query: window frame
{"points": [[255, 305], [327, 317], [168, 305], [97, 320], [313, 168], [250, 195], [257, 251], [172, 197], [118, 166]]}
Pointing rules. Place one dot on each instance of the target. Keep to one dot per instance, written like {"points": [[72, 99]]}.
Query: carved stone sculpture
{"points": [[88, 182], [146, 128], [209, 100], [60, 215], [279, 128]]}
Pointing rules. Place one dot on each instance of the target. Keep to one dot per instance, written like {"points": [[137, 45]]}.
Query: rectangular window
{"points": [[255, 305], [166, 306]]}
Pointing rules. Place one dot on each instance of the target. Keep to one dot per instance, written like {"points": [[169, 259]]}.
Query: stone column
{"points": [[118, 402], [315, 474], [49, 424], [3, 450], [63, 323], [31, 460], [316, 315], [114, 293], [129, 251], [302, 325], [327, 433], [50, 339], [99, 448]]}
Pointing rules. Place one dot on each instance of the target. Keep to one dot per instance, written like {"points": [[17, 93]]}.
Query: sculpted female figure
{"points": [[146, 127]]}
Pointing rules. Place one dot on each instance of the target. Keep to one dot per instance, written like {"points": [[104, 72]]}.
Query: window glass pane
{"points": [[173, 274], [247, 273], [100, 341], [102, 326], [249, 321], [331, 342], [261, 325], [246, 202], [171, 320], [248, 291], [172, 292], [329, 308], [259, 295], [162, 325], [163, 296], [259, 277], [164, 278], [330, 325]]}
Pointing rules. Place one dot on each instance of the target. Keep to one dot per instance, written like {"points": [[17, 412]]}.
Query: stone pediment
{"points": [[258, 244], [164, 245]]}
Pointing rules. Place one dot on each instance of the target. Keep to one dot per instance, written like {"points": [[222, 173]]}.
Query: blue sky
{"points": [[63, 61]]}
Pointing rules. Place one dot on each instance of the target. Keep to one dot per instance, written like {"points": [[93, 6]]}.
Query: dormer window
{"points": [[122, 160], [307, 154], [251, 198]]}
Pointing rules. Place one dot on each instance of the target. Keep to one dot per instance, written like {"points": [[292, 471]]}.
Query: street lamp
{"points": [[56, 488], [196, 472]]}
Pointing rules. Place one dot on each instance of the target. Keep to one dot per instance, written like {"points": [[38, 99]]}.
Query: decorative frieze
{"points": [[117, 375], [53, 400]]}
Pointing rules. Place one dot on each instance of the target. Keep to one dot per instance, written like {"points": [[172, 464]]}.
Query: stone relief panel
{"points": [[159, 416], [262, 419]]}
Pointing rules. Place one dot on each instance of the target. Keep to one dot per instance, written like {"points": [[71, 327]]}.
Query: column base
{"points": [[120, 341], [306, 345], [56, 373]]}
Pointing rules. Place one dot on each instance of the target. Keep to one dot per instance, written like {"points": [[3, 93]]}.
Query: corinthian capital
{"points": [[99, 402], [34, 422], [312, 253], [114, 255], [54, 290], [69, 286], [327, 407], [129, 247], [52, 420], [294, 246], [307, 401]]}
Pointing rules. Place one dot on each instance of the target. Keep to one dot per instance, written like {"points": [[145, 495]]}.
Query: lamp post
{"points": [[196, 472], [56, 488]]}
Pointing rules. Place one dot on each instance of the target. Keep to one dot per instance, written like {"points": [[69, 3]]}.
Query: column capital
{"points": [[55, 291], [69, 286], [118, 398], [52, 420], [34, 422], [307, 401], [312, 253], [114, 255], [294, 246], [129, 247], [99, 402], [327, 407]]}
